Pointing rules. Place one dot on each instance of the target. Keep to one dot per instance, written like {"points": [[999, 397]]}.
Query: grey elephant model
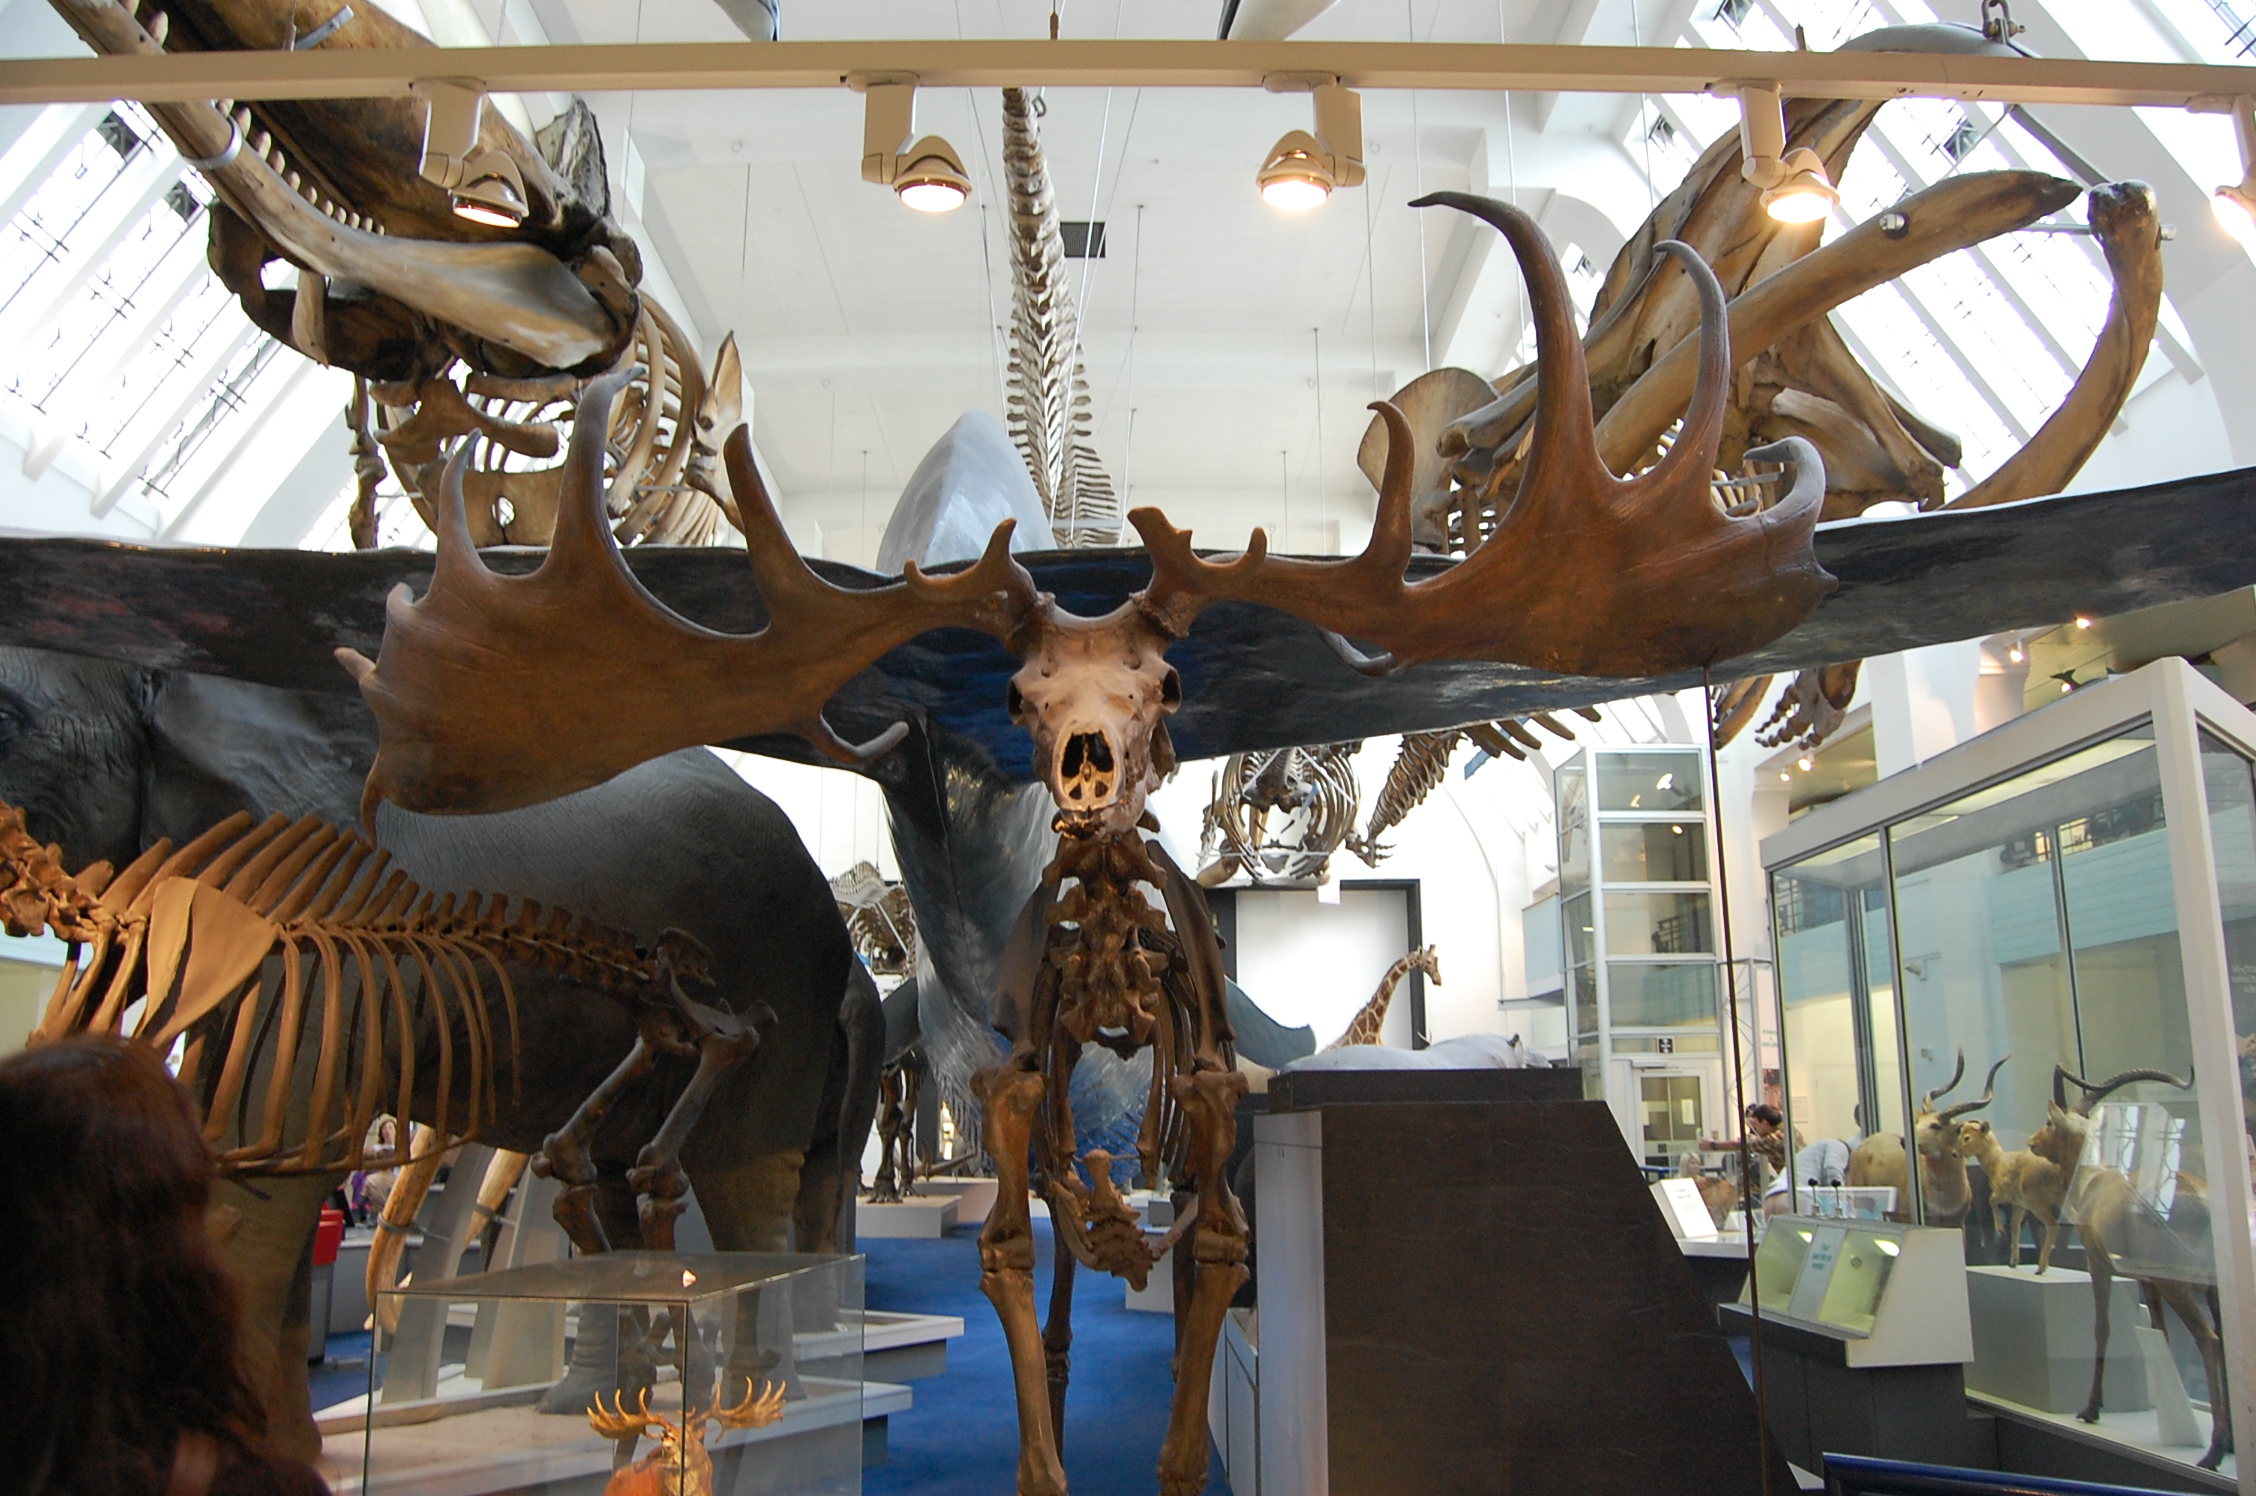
{"points": [[106, 758]]}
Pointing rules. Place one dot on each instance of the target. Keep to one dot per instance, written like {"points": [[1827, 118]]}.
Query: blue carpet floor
{"points": [[961, 1437]]}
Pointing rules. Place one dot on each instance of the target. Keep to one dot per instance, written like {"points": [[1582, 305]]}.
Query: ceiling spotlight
{"points": [[1795, 186], [927, 173], [2016, 654], [2235, 206], [2082, 622], [1301, 169], [484, 183], [1803, 763]]}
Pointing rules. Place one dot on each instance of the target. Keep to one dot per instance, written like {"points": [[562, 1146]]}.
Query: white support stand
{"points": [[2173, 1410]]}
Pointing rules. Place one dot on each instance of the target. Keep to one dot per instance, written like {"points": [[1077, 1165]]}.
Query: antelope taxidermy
{"points": [[1944, 1193], [2107, 1208], [2023, 1183], [680, 1464], [1588, 574]]}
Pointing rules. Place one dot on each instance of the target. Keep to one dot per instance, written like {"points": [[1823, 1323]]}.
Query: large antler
{"points": [[496, 692], [760, 1407], [1927, 1101], [1588, 574], [2098, 1091], [615, 1422], [1989, 1093]]}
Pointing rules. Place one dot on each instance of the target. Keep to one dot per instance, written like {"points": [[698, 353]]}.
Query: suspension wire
{"points": [[1644, 127], [1749, 1203], [1371, 286], [1317, 335], [1418, 165], [1135, 302]]}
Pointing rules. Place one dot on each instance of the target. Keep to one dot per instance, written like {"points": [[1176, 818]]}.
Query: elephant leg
{"points": [[1218, 1247], [886, 1188], [1010, 1098], [1057, 1333], [748, 1201], [2103, 1294], [611, 1352], [564, 1154], [271, 1259], [657, 1175]]}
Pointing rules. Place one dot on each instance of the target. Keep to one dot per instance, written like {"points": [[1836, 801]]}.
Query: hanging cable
{"points": [[1418, 170], [1749, 1202]]}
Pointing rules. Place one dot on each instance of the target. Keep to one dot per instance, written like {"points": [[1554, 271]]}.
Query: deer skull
{"points": [[1095, 693]]}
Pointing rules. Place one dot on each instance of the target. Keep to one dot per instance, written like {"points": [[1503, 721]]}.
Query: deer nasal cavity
{"points": [[1086, 752]]}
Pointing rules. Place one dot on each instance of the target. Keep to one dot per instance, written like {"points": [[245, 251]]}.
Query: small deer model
{"points": [[680, 1465], [2027, 1183]]}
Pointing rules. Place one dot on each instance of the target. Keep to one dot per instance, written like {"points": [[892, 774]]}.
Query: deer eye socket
{"points": [[1014, 702], [1171, 689]]}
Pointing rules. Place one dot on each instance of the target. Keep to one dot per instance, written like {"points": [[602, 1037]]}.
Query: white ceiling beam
{"points": [[1482, 66]]}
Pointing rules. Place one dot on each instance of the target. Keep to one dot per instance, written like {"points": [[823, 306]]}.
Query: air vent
{"points": [[1083, 241]]}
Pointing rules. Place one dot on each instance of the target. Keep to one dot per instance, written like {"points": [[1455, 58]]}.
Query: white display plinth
{"points": [[974, 1197], [929, 1216], [2033, 1339]]}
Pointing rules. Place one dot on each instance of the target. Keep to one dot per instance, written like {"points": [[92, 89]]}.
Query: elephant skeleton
{"points": [[1589, 573]]}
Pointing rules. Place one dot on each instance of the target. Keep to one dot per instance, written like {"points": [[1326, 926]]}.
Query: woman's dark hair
{"points": [[1768, 1115], [118, 1326]]}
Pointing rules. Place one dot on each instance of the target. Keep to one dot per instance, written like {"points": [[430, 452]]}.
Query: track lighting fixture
{"points": [[484, 183], [2235, 206], [927, 174], [1795, 186], [1301, 169]]}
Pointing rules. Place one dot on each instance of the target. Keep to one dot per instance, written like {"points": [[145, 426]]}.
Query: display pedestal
{"points": [[1820, 1404], [1479, 1294], [929, 1216], [974, 1197], [2033, 1340]]}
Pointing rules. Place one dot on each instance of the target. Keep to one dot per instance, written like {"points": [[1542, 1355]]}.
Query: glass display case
{"points": [[698, 1374], [2018, 986], [1894, 1295], [1638, 932]]}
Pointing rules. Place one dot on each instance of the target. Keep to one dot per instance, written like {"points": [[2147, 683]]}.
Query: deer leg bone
{"points": [[1057, 1337], [724, 1041], [1011, 1097], [1219, 1248], [564, 1154]]}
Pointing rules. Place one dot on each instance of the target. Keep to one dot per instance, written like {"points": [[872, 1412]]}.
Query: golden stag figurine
{"points": [[680, 1465]]}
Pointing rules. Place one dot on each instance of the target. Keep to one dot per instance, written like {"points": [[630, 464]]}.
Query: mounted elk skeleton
{"points": [[1588, 573]]}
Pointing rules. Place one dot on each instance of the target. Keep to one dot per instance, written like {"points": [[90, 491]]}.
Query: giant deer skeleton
{"points": [[1588, 573]]}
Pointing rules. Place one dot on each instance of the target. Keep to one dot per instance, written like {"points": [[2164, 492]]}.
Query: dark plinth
{"points": [[1300, 1090], [1503, 1308], [1821, 1405]]}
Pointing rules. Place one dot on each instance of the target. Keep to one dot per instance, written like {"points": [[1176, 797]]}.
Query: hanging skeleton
{"points": [[1279, 816], [1795, 374], [878, 918], [1049, 389], [454, 328], [1423, 759]]}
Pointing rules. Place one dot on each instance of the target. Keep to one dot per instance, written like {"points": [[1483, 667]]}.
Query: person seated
{"points": [[119, 1327]]}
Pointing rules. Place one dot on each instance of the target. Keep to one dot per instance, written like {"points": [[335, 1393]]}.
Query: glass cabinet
{"points": [[1638, 932], [2018, 987]]}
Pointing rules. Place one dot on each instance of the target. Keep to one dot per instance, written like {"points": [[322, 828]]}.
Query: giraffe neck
{"points": [[1372, 1017]]}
